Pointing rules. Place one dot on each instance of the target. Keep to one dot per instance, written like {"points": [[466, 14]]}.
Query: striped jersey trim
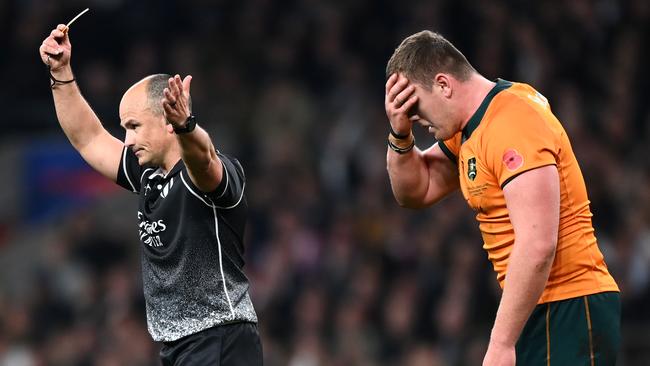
{"points": [[591, 339], [126, 172]]}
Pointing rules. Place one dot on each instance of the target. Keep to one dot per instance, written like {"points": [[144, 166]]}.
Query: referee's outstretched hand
{"points": [[56, 49], [176, 100]]}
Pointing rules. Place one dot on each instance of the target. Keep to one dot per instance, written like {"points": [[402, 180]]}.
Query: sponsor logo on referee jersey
{"points": [[149, 231]]}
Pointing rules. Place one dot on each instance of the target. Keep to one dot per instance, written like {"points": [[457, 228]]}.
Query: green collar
{"points": [[476, 118]]}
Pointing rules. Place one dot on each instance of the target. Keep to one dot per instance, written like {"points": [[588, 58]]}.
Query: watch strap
{"points": [[188, 126]]}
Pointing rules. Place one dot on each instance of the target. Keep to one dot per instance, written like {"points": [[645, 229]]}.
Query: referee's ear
{"points": [[169, 128]]}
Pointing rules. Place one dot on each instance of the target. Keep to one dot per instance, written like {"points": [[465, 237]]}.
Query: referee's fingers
{"points": [[178, 83], [169, 97], [60, 33], [50, 42], [186, 84], [170, 112], [56, 33], [52, 51], [173, 86]]}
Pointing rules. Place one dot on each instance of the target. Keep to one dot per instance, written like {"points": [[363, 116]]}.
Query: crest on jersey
{"points": [[471, 169]]}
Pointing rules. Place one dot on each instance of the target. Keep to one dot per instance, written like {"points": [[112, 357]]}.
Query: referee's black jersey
{"points": [[192, 247]]}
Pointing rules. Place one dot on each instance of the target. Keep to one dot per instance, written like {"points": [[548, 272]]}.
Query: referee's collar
{"points": [[159, 172], [476, 118]]}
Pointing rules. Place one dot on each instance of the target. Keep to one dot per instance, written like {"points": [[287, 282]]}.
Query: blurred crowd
{"points": [[340, 274]]}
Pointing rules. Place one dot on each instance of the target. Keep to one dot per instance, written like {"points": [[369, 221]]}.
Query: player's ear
{"points": [[442, 83]]}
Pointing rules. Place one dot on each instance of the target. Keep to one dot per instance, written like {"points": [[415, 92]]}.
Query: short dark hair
{"points": [[155, 85], [422, 55]]}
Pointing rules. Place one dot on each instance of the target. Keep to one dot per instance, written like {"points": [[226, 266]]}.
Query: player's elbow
{"points": [[543, 251], [408, 203], [410, 200]]}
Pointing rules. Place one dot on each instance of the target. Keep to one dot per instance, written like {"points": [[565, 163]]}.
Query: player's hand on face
{"points": [[399, 99], [176, 100], [56, 49]]}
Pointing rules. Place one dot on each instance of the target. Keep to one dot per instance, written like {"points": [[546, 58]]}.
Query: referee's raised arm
{"points": [[198, 153], [81, 125]]}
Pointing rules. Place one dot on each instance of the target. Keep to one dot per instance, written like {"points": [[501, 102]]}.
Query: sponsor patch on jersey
{"points": [[512, 159]]}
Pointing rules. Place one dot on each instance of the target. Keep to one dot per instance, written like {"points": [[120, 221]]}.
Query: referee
{"points": [[191, 214]]}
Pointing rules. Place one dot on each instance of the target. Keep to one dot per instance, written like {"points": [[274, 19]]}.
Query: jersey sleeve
{"points": [[231, 189], [518, 141], [451, 147], [129, 173]]}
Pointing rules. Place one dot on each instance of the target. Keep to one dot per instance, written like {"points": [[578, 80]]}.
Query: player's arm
{"points": [[533, 201], [418, 178], [421, 178], [82, 127], [203, 165]]}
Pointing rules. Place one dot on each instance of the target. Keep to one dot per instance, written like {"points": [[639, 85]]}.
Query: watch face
{"points": [[189, 126]]}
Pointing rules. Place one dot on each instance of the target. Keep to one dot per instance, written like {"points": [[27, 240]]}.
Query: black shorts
{"points": [[235, 344], [583, 331]]}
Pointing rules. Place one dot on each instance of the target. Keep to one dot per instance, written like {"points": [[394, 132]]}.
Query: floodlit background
{"points": [[340, 274]]}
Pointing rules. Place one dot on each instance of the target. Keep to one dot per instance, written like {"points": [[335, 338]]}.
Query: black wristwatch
{"points": [[190, 124]]}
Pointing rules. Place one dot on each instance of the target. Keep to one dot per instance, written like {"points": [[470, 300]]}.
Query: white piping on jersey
{"points": [[143, 173], [243, 188], [194, 193], [226, 188], [223, 277], [158, 171], [225, 171], [236, 203], [216, 231], [126, 173]]}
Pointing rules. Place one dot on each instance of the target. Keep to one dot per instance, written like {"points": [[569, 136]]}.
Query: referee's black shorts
{"points": [[235, 344]]}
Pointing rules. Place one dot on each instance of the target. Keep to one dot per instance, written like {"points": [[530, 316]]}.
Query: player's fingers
{"points": [[390, 82], [396, 89], [410, 102], [403, 96]]}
